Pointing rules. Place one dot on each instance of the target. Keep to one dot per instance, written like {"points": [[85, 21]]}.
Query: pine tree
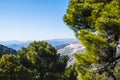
{"points": [[96, 24], [43, 61], [70, 73], [11, 69]]}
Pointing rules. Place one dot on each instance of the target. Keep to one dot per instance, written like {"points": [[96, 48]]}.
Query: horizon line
{"points": [[37, 39]]}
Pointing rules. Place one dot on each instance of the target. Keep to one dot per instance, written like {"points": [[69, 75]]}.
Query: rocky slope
{"points": [[70, 50]]}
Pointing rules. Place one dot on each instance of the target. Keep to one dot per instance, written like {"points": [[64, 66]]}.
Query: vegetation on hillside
{"points": [[6, 50]]}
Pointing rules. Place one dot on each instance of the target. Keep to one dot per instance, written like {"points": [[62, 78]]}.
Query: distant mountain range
{"points": [[16, 45], [57, 43]]}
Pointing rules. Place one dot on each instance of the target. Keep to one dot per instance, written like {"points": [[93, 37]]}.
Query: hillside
{"points": [[70, 50], [6, 50]]}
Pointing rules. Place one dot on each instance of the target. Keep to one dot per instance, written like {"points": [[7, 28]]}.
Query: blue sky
{"points": [[33, 20]]}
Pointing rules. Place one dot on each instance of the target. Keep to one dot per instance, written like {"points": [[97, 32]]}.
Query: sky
{"points": [[33, 20]]}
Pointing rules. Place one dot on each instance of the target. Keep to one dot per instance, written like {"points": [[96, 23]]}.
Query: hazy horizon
{"points": [[38, 40], [25, 20]]}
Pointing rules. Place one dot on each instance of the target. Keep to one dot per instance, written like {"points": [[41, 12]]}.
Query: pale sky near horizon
{"points": [[33, 20]]}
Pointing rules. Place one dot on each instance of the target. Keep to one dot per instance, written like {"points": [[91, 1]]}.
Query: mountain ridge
{"points": [[6, 50], [54, 42]]}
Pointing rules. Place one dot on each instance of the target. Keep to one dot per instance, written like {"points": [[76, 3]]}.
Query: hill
{"points": [[70, 50], [6, 50]]}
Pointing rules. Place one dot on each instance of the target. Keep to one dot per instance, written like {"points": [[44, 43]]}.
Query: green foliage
{"points": [[117, 71], [11, 69], [43, 61], [96, 24], [70, 73], [93, 15]]}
